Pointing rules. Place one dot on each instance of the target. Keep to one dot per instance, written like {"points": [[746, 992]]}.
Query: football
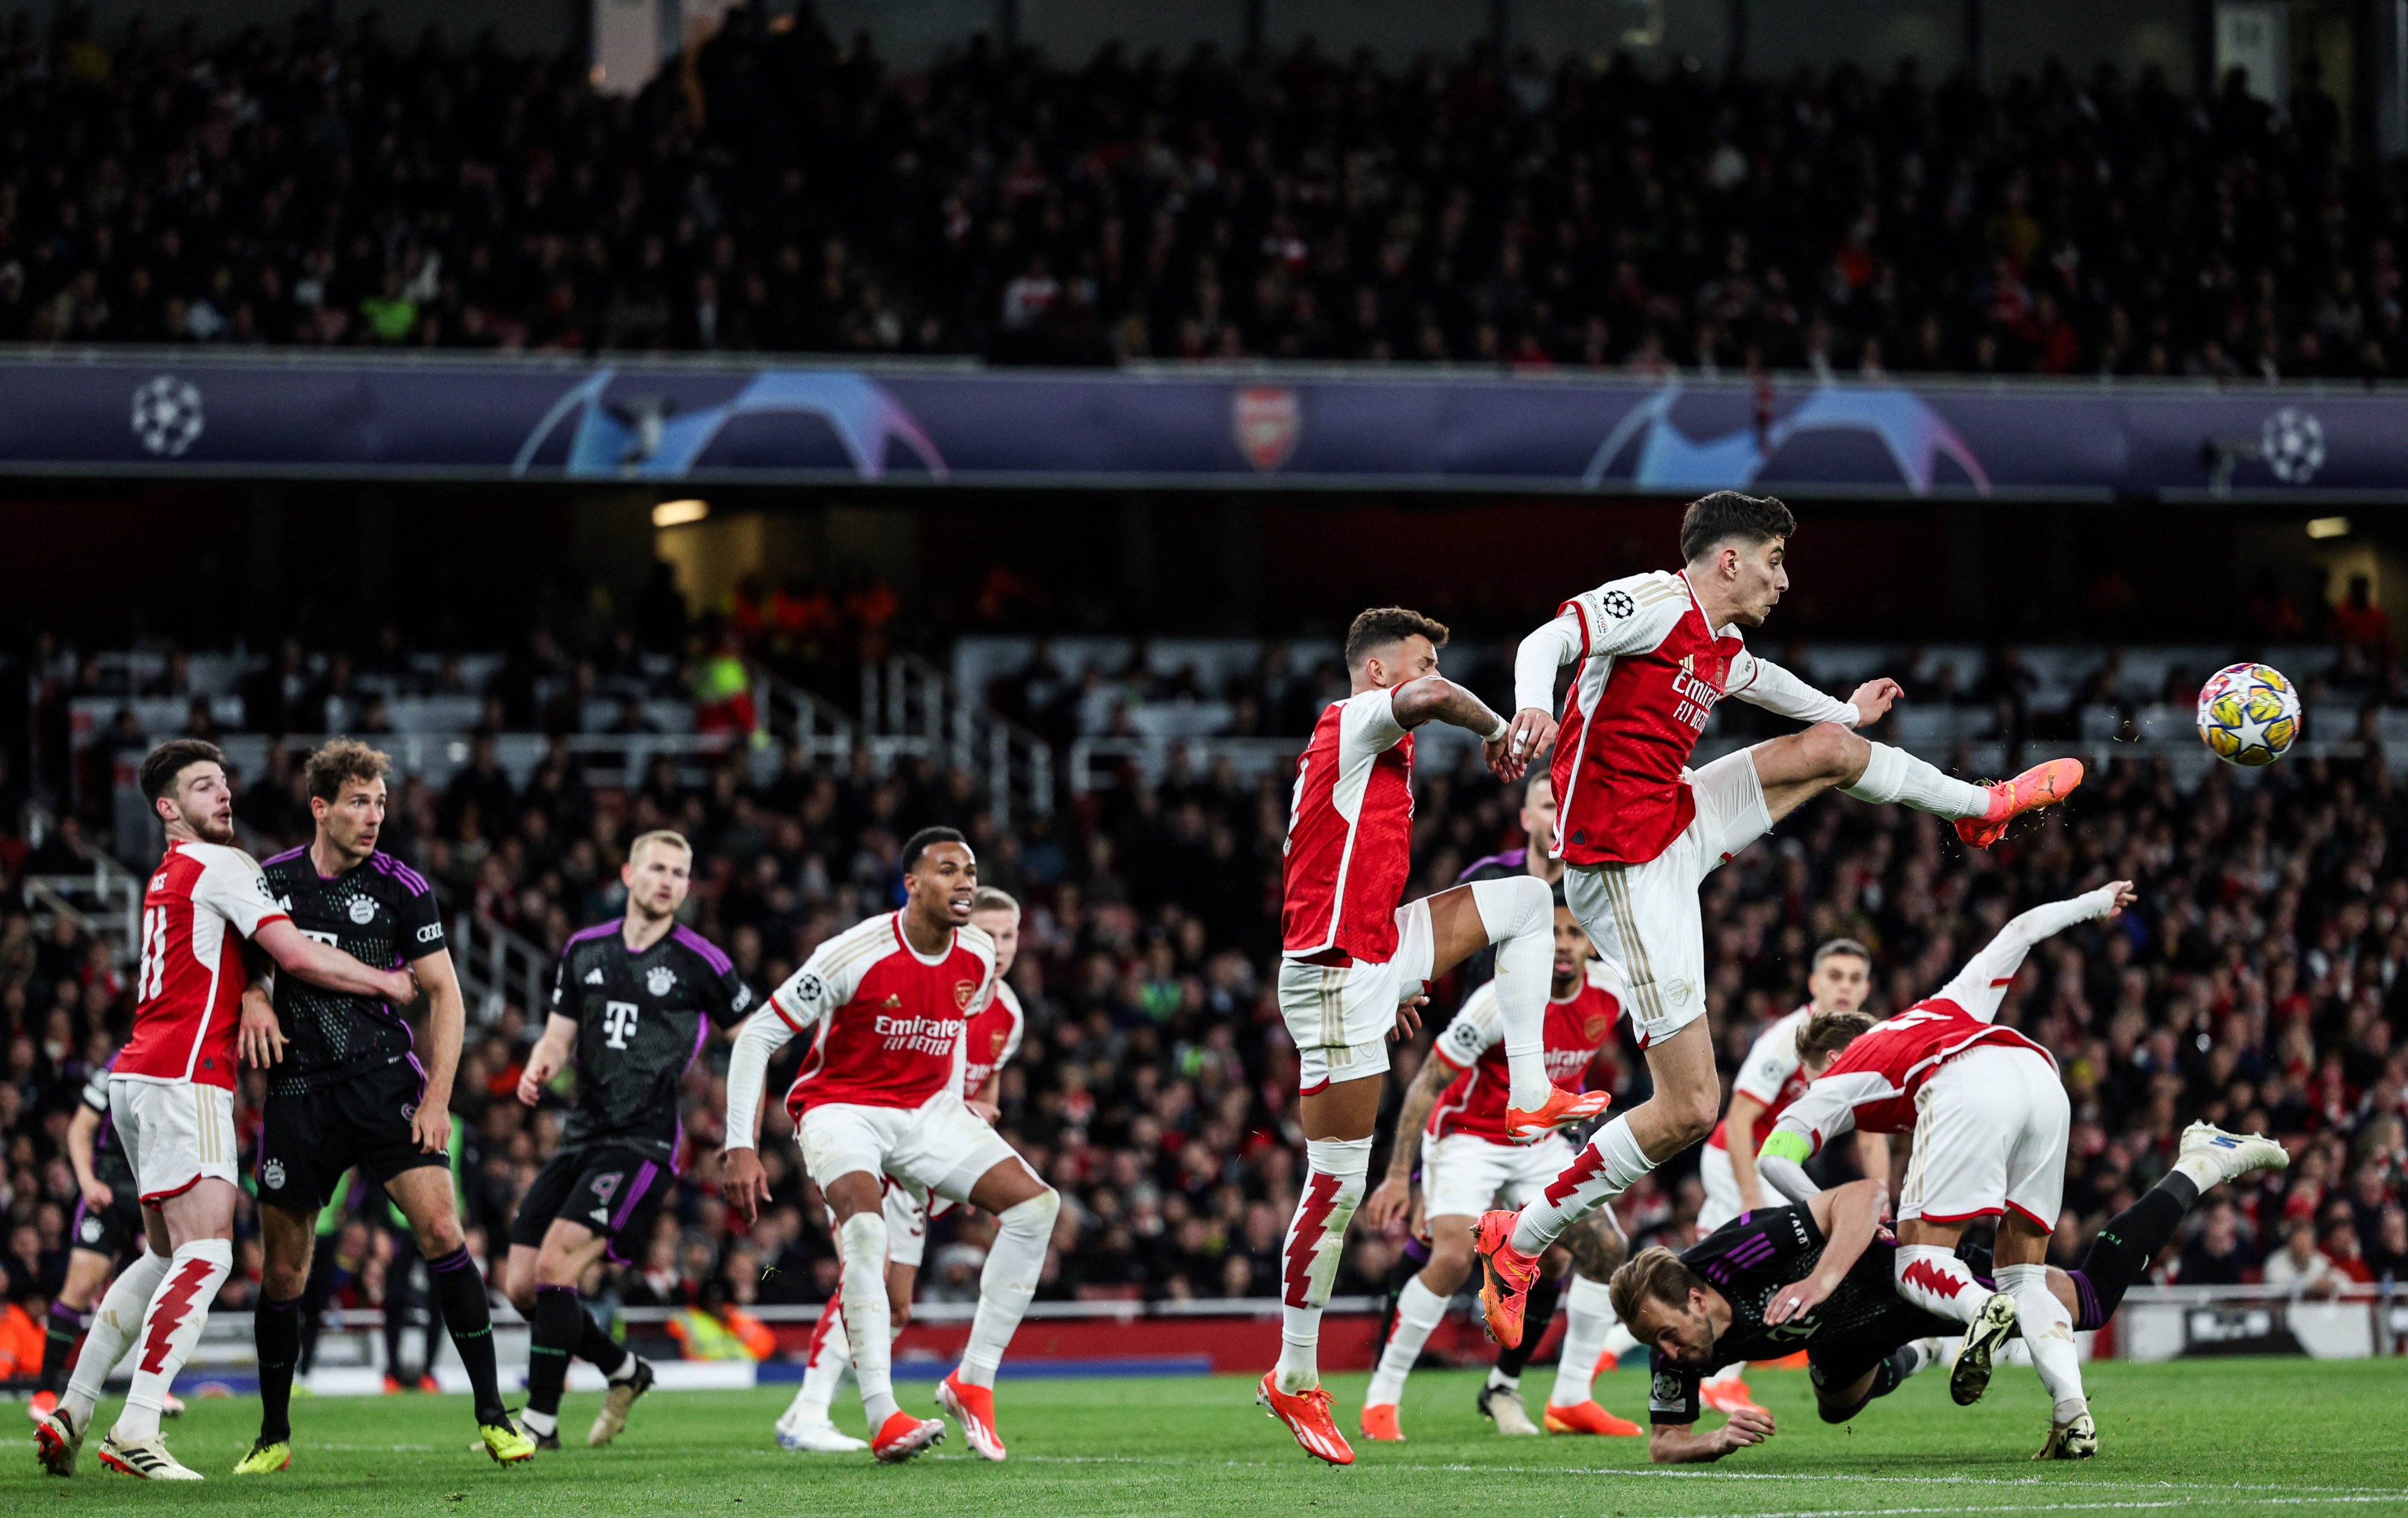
{"points": [[2248, 714]]}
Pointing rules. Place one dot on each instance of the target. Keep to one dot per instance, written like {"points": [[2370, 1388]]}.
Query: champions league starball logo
{"points": [[639, 436], [2292, 443], [1913, 435], [167, 416]]}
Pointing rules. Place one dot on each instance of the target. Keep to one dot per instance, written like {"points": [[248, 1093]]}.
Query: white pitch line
{"points": [[2063, 1507]]}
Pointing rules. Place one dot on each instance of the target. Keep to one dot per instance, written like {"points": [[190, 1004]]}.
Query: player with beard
{"points": [[171, 1101], [1821, 1277], [988, 1043], [886, 1005], [345, 1089], [632, 1001]]}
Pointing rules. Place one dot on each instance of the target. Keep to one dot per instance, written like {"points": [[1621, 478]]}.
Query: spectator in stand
{"points": [[2216, 1255], [2299, 1268]]}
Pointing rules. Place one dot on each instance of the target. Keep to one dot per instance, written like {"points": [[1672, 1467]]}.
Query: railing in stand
{"points": [[107, 899], [912, 707]]}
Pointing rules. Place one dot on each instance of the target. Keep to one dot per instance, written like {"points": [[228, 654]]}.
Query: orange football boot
{"points": [[1380, 1423], [1307, 1416], [2042, 785], [1561, 1109], [974, 1408], [1506, 1275], [902, 1436], [1727, 1396], [1588, 1418]]}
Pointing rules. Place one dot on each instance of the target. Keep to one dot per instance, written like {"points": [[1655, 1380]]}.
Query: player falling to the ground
{"points": [[171, 1101], [989, 1041], [1459, 1099], [632, 1001], [345, 1088], [887, 1003], [1638, 830], [1353, 962], [1768, 1079], [1990, 1121], [107, 1228], [1819, 1276]]}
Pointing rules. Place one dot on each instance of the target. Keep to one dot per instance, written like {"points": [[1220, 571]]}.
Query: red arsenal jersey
{"points": [[1871, 1087], [1350, 833], [886, 1024], [1651, 673], [203, 900], [1578, 1029], [992, 1038]]}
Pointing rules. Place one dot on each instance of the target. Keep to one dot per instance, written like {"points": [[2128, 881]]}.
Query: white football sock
{"points": [[1316, 1238], [1620, 1340], [114, 1327], [862, 1238], [178, 1311], [1520, 916], [1013, 1263], [1419, 1311], [1588, 1318], [823, 1369], [1611, 1164], [1895, 775], [1936, 1280], [2048, 1334]]}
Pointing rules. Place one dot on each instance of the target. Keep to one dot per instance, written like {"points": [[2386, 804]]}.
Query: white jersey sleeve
{"points": [[1761, 683], [1827, 1109], [1981, 985], [828, 979], [1629, 615], [1771, 1060], [1367, 728], [231, 886], [1477, 1029]]}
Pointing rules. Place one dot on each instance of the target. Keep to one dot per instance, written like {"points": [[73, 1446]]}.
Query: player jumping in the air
{"points": [[171, 1102], [633, 1000], [992, 1038], [1466, 1164], [1818, 1277], [1353, 962], [105, 1229], [1990, 1121], [887, 1003], [345, 1089], [1638, 830]]}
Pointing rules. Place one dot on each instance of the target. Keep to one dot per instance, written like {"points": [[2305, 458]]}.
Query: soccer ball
{"points": [[2248, 714]]}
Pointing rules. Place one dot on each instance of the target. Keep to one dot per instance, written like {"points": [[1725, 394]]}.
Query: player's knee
{"points": [[1692, 1116], [438, 1236], [1516, 905], [863, 1238], [282, 1284], [1033, 1216], [1832, 751], [1450, 1262]]}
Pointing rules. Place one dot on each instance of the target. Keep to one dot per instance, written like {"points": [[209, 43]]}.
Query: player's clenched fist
{"points": [[1529, 734]]}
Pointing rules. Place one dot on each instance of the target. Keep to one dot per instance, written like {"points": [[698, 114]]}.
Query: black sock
{"points": [[1537, 1310], [58, 1347], [557, 1316], [275, 1329], [464, 1309], [597, 1347], [2123, 1250]]}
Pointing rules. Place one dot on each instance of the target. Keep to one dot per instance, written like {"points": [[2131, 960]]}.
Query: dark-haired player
{"points": [[347, 1090], [632, 1001], [886, 1005], [1354, 956], [1638, 830], [1819, 1276], [171, 1102]]}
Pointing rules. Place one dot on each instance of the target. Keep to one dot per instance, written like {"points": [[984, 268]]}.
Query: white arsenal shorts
{"points": [[1340, 1016], [1463, 1174], [938, 1146], [1644, 917], [177, 1133], [1990, 1131], [907, 1223]]}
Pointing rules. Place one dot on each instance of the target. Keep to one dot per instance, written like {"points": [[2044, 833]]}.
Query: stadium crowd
{"points": [[781, 189], [2259, 984]]}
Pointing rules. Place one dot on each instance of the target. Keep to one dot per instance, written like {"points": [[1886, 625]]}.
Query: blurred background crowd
{"points": [[781, 189]]}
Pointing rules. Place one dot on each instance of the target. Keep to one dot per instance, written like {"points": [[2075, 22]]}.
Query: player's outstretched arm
{"points": [[322, 964], [1437, 698], [1760, 682], [741, 1181], [1980, 986], [1675, 1444]]}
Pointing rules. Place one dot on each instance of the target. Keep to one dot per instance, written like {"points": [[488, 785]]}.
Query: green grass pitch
{"points": [[2198, 1438]]}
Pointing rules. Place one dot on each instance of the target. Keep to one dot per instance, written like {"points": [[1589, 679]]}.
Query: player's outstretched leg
{"points": [[1023, 1227], [1518, 917], [807, 1424], [59, 1435], [2120, 1255]]}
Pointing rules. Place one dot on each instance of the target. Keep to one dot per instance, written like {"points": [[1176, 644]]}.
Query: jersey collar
{"points": [[894, 920], [1717, 634]]}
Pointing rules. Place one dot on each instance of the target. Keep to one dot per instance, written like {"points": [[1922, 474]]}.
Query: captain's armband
{"points": [[1787, 1145]]}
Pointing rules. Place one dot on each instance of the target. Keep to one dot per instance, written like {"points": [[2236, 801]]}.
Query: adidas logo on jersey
{"points": [[594, 976], [1688, 664]]}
